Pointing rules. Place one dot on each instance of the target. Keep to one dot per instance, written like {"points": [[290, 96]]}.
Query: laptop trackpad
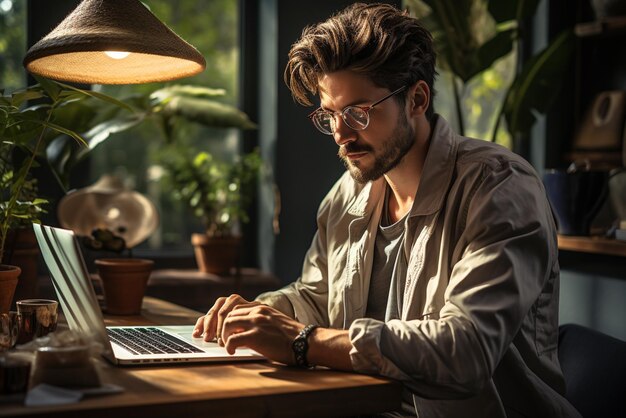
{"points": [[185, 331]]}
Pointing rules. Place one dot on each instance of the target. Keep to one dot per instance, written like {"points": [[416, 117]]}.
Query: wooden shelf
{"points": [[598, 160], [593, 245], [604, 27]]}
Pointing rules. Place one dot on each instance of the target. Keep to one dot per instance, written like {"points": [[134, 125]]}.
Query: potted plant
{"points": [[28, 130], [20, 246], [218, 193]]}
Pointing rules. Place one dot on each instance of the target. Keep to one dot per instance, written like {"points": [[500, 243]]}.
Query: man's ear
{"points": [[419, 98]]}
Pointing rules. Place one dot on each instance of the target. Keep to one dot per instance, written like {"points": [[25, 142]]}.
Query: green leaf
{"points": [[102, 131], [67, 132], [22, 96], [40, 201], [187, 91], [538, 84], [495, 48], [24, 133], [506, 10], [77, 115], [459, 38], [51, 88], [98, 95], [208, 113], [449, 22], [201, 158], [60, 157]]}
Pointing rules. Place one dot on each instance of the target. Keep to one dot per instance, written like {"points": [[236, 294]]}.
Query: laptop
{"points": [[127, 345]]}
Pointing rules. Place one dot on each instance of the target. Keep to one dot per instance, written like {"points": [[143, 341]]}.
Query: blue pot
{"points": [[576, 198]]}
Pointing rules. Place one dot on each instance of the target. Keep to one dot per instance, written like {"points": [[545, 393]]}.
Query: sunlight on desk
{"points": [[243, 389]]}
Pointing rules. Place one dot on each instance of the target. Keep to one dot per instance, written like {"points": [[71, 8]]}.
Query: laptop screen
{"points": [[72, 282]]}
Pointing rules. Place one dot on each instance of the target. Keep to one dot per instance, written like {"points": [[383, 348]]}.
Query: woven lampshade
{"points": [[75, 50]]}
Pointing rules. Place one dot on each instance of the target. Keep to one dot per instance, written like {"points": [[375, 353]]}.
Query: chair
{"points": [[594, 367]]}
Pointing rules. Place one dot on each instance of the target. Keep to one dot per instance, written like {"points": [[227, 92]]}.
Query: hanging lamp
{"points": [[113, 42]]}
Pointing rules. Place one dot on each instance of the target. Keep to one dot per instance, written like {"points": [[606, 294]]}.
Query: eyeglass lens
{"points": [[356, 118]]}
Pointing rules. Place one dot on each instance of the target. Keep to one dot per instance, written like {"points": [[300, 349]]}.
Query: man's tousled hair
{"points": [[375, 40]]}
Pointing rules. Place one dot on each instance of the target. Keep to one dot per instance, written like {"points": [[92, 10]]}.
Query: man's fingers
{"points": [[210, 325], [243, 309], [243, 318], [205, 325], [199, 328], [229, 304], [208, 331], [210, 319], [239, 339]]}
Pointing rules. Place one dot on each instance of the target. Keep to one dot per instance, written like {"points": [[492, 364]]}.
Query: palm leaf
{"points": [[538, 84], [506, 10], [188, 91], [495, 48], [451, 23], [207, 112]]}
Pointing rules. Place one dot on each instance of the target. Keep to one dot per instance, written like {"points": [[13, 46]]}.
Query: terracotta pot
{"points": [[216, 254], [8, 283], [21, 250], [124, 283]]}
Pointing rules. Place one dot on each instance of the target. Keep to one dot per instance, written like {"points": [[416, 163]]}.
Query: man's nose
{"points": [[343, 134]]}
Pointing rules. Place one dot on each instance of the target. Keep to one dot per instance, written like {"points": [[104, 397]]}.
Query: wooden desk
{"points": [[252, 389]]}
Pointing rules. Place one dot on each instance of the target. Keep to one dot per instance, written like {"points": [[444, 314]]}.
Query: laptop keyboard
{"points": [[150, 341]]}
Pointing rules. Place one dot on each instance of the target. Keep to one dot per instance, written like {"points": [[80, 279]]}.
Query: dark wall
{"points": [[41, 19], [306, 161]]}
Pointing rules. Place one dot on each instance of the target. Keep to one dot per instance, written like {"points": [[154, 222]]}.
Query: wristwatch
{"points": [[300, 346]]}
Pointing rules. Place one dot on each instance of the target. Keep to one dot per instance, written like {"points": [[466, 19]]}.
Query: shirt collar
{"points": [[438, 169], [435, 181]]}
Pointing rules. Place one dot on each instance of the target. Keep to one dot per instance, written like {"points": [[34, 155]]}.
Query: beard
{"points": [[393, 150]]}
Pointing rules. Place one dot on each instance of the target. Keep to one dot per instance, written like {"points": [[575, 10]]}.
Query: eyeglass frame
{"points": [[365, 109]]}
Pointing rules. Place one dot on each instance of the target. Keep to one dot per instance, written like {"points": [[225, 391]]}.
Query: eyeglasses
{"points": [[356, 117]]}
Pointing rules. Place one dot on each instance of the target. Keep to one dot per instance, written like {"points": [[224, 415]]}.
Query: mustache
{"points": [[353, 147]]}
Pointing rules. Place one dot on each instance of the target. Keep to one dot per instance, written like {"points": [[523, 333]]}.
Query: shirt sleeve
{"points": [[507, 251]]}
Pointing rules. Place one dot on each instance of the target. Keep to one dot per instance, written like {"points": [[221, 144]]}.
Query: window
{"points": [[12, 44], [480, 100], [212, 27], [477, 101]]}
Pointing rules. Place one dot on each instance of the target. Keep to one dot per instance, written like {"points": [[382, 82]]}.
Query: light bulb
{"points": [[118, 55]]}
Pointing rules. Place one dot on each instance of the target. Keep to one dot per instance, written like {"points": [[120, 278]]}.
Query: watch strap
{"points": [[300, 346]]}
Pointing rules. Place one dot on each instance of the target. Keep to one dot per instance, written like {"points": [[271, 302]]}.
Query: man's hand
{"points": [[237, 322], [210, 325], [263, 329]]}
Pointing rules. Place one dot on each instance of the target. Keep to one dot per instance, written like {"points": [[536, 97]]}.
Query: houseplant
{"points": [[215, 191], [218, 193], [473, 34], [28, 130]]}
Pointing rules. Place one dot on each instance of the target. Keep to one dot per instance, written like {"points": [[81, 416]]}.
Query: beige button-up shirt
{"points": [[478, 330]]}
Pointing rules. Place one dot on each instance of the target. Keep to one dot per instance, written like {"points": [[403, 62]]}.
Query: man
{"points": [[435, 260]]}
